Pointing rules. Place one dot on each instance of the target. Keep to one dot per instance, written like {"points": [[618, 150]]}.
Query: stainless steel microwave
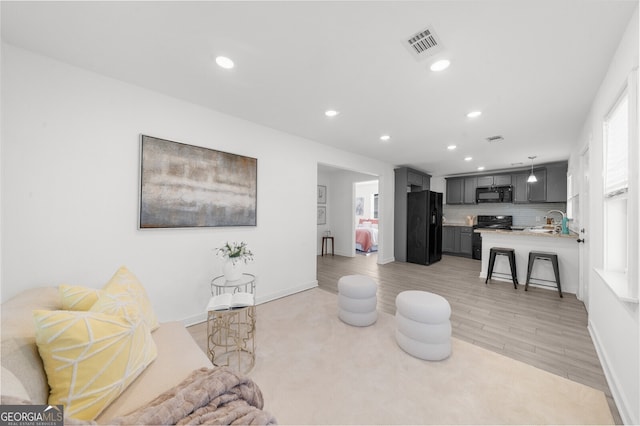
{"points": [[494, 194]]}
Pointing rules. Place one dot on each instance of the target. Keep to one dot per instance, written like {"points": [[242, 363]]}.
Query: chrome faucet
{"points": [[564, 223], [557, 211]]}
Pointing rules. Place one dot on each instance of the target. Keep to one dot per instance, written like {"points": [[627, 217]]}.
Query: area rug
{"points": [[315, 369]]}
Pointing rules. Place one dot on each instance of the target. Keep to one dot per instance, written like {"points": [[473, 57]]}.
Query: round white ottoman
{"points": [[423, 328], [357, 300]]}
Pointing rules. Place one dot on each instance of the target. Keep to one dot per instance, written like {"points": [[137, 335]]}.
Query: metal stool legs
{"points": [[511, 254], [551, 257]]}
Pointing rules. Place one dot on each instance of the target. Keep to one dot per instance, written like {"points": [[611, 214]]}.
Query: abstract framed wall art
{"points": [[322, 215], [186, 186], [322, 194]]}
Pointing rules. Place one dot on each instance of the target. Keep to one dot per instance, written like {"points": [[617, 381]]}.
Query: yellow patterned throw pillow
{"points": [[118, 304], [78, 298], [90, 358], [123, 281]]}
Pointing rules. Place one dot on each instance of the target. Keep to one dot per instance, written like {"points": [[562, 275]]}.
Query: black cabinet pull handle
{"points": [[580, 240]]}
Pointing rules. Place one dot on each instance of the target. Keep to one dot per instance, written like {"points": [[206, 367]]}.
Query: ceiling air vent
{"points": [[497, 138], [423, 44]]}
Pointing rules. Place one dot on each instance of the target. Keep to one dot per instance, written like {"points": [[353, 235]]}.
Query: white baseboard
{"points": [[622, 402], [197, 319], [387, 260]]}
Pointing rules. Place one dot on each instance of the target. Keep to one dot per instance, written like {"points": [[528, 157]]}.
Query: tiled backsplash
{"points": [[523, 214]]}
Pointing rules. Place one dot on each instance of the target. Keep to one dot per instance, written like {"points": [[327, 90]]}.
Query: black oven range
{"points": [[492, 222]]}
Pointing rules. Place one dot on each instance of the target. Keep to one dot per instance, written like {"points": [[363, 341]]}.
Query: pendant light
{"points": [[532, 178]]}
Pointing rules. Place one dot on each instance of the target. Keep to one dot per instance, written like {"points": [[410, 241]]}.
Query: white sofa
{"points": [[23, 375]]}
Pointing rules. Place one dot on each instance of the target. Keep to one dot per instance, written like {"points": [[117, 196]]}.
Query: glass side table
{"points": [[231, 333], [246, 283]]}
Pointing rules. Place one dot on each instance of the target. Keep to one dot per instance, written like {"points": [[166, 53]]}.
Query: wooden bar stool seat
{"points": [[511, 255]]}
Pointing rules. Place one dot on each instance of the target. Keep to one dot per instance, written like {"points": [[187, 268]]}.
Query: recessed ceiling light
{"points": [[451, 147], [474, 114], [468, 158], [224, 62], [481, 168], [385, 138], [440, 65], [331, 113]]}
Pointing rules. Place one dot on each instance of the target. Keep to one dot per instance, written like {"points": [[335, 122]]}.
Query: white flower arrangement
{"points": [[235, 252]]}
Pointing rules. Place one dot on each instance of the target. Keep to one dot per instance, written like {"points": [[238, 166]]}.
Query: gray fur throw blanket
{"points": [[209, 396]]}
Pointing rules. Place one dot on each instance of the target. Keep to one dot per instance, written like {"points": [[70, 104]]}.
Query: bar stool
{"points": [[551, 257], [511, 255]]}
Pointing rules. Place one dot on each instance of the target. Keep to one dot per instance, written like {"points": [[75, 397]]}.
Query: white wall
{"points": [[70, 164], [614, 325]]}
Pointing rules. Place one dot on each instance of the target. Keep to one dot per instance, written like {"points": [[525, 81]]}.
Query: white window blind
{"points": [[616, 132]]}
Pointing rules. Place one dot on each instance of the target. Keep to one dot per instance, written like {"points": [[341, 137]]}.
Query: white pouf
{"points": [[423, 326], [357, 300]]}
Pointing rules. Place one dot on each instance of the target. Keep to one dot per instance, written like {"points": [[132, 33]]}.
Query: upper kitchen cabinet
{"points": [[462, 190], [485, 181], [416, 181], [538, 190], [520, 188], [495, 180], [470, 185], [551, 186], [557, 182], [455, 190]]}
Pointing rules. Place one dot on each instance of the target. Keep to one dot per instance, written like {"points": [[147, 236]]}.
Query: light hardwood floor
{"points": [[536, 327]]}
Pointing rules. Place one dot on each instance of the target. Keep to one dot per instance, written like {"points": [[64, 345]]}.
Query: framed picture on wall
{"points": [[322, 194], [189, 186], [322, 215]]}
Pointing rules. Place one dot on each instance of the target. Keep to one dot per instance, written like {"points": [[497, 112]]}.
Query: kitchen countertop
{"points": [[530, 232], [456, 224]]}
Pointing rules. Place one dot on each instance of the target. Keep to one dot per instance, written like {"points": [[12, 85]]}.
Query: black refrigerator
{"points": [[424, 227]]}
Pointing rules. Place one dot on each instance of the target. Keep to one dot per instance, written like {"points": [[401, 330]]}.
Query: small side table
{"points": [[246, 283], [231, 333], [324, 243], [231, 338]]}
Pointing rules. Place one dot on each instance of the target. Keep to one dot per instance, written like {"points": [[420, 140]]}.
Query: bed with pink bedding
{"points": [[367, 236]]}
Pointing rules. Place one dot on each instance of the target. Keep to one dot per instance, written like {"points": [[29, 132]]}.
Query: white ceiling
{"points": [[532, 67]]}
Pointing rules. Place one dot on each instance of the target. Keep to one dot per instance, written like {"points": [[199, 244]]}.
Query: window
{"points": [[616, 184], [620, 132], [616, 142]]}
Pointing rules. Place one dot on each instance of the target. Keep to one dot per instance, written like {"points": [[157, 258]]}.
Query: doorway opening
{"points": [[351, 200]]}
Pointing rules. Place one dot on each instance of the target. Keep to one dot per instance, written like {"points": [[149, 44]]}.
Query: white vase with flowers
{"points": [[235, 255]]}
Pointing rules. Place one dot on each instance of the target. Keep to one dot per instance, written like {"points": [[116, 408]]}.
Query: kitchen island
{"points": [[525, 241]]}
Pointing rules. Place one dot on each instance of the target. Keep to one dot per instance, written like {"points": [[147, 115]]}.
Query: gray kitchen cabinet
{"points": [[485, 181], [525, 192], [538, 190], [470, 185], [520, 188], [456, 240], [502, 180], [551, 186], [557, 183], [455, 191], [494, 180], [448, 239], [414, 178], [466, 233]]}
